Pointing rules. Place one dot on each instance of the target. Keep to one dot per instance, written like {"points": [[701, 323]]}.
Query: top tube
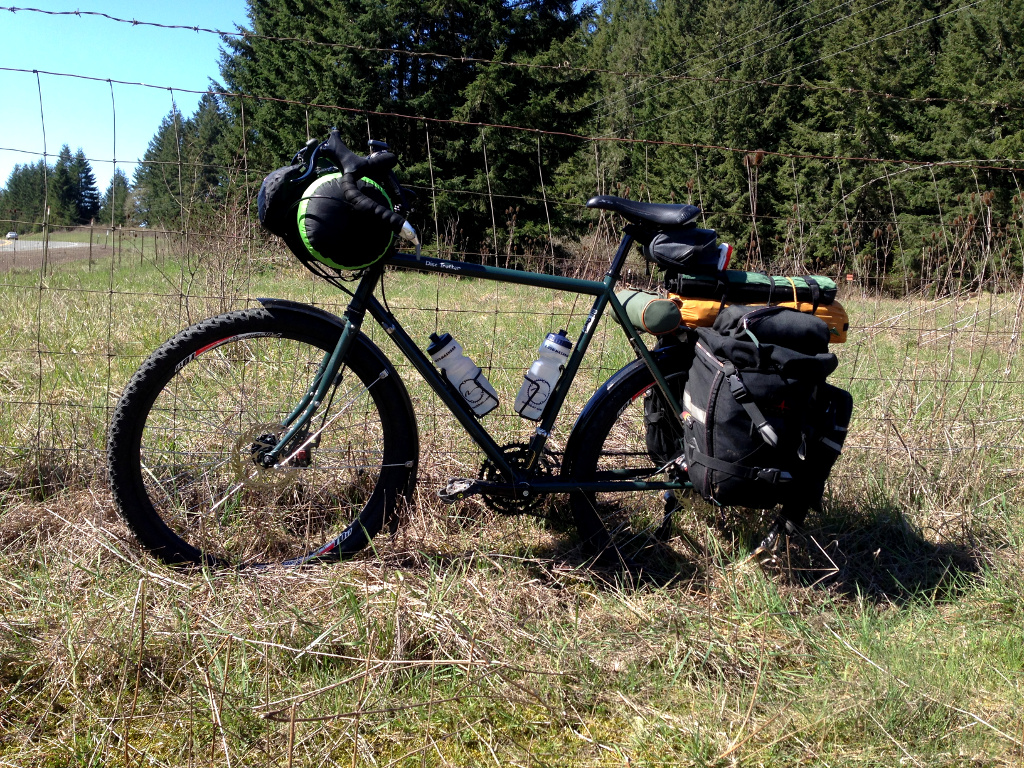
{"points": [[498, 274]]}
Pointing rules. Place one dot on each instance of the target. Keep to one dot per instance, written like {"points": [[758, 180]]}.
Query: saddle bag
{"points": [[761, 425], [690, 249]]}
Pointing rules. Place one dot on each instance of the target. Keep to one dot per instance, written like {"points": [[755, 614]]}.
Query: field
{"points": [[893, 634]]}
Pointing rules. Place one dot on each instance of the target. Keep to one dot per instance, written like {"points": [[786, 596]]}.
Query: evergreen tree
{"points": [[63, 191], [184, 171], [161, 178], [22, 202], [116, 207], [535, 32], [87, 196]]}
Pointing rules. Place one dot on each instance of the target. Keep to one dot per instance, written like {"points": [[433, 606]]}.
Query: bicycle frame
{"points": [[603, 291]]}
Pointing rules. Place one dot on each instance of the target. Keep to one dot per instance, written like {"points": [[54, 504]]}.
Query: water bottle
{"points": [[542, 376], [463, 373]]}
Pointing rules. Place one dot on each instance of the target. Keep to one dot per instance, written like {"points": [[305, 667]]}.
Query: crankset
{"points": [[494, 489], [517, 455]]}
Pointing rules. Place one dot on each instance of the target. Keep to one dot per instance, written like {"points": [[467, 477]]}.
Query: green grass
{"points": [[894, 636]]}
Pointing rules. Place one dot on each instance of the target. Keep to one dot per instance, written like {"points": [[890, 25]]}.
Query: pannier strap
{"points": [[742, 396], [760, 474], [815, 291]]}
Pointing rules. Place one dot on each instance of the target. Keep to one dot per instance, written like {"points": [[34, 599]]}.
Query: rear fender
{"points": [[634, 377]]}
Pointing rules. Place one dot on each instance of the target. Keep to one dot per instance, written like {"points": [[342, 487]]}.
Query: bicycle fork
{"points": [[296, 422]]}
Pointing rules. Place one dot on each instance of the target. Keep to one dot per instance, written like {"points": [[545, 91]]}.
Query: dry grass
{"points": [[447, 649], [891, 634]]}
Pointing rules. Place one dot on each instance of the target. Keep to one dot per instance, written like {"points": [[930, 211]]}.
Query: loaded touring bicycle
{"points": [[282, 434]]}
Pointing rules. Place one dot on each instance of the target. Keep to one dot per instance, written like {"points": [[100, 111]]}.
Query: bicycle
{"points": [[282, 434]]}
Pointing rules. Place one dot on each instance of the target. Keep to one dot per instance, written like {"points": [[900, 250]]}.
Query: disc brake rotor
{"points": [[244, 461]]}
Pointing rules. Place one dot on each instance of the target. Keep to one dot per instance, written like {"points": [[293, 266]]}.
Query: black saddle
{"points": [[661, 215]]}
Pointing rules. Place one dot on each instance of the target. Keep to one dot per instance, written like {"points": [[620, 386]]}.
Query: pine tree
{"points": [[22, 203], [185, 170], [63, 192], [536, 31], [162, 178], [116, 207], [87, 197]]}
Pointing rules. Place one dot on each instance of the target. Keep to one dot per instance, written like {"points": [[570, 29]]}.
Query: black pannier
{"points": [[662, 431], [762, 426], [690, 250]]}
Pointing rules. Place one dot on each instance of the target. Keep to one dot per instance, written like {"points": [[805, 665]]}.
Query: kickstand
{"points": [[665, 528], [767, 551]]}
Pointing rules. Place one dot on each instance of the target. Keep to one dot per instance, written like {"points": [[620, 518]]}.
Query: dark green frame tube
{"points": [[603, 291]]}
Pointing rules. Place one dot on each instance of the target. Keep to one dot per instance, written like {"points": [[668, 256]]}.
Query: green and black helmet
{"points": [[331, 232]]}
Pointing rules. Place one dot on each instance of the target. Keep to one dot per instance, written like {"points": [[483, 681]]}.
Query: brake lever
{"points": [[313, 157]]}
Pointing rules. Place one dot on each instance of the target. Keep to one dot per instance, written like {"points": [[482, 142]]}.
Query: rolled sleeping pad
{"points": [[701, 313], [738, 287], [650, 312]]}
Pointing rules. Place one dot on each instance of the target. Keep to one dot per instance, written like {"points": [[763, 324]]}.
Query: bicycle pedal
{"points": [[457, 489]]}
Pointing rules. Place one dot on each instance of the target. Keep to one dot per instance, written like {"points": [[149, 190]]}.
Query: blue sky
{"points": [[78, 112]]}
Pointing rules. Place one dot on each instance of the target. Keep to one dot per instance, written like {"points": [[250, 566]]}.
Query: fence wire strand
{"points": [[936, 368]]}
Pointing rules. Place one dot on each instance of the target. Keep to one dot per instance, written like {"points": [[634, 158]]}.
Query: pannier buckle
{"points": [[773, 476], [738, 390]]}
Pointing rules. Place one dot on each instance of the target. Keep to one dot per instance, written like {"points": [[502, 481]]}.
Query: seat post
{"points": [[620, 256]]}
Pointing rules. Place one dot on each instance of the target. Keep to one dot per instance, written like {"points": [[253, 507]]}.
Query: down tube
{"points": [[429, 373]]}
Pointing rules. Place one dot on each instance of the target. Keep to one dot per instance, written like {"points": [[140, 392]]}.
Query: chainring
{"points": [[516, 455]]}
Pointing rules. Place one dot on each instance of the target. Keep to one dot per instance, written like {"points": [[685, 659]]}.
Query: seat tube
{"points": [[572, 365]]}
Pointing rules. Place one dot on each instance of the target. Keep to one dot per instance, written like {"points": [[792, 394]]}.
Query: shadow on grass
{"points": [[869, 551], [877, 554]]}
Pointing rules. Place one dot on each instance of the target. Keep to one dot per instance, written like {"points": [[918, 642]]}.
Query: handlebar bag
{"points": [[277, 199], [318, 225], [333, 233]]}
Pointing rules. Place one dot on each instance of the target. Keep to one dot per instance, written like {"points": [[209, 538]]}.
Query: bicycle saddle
{"points": [[660, 214]]}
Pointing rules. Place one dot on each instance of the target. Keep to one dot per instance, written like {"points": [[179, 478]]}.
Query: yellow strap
{"points": [[797, 303]]}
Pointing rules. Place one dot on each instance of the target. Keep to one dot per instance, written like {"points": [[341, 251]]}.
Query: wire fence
{"points": [[934, 360], [930, 358]]}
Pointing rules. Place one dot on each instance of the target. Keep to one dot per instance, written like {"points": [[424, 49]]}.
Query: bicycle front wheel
{"points": [[186, 436]]}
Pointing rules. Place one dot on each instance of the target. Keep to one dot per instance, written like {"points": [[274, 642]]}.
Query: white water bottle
{"points": [[463, 373], [542, 376]]}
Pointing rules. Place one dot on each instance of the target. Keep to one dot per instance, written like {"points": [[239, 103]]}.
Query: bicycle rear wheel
{"points": [[613, 446], [188, 430]]}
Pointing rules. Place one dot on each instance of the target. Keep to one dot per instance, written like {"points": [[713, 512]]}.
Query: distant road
{"points": [[24, 246], [28, 254]]}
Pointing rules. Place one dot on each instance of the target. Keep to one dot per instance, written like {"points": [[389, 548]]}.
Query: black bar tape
{"points": [[343, 157], [354, 167], [361, 202]]}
